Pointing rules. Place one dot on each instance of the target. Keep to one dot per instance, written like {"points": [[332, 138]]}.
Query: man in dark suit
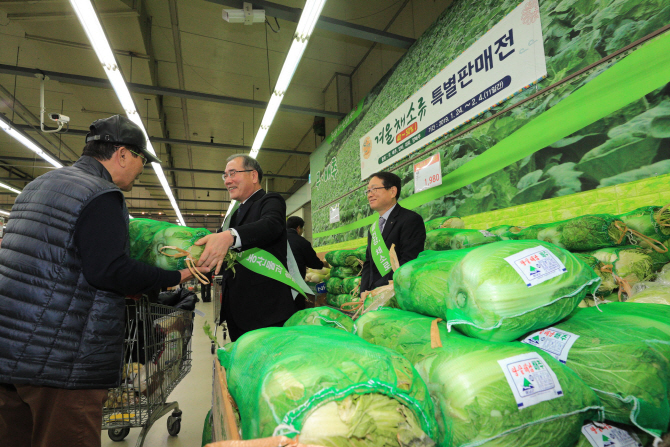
{"points": [[250, 300], [398, 226], [304, 254]]}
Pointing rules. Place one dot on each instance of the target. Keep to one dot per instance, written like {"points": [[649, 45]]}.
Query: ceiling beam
{"points": [[154, 90], [178, 142], [202, 188], [325, 23], [219, 172]]}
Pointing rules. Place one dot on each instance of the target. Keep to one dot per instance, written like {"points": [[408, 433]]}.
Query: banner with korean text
{"points": [[504, 61]]}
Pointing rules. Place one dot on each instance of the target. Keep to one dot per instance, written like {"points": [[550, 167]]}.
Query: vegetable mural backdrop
{"points": [[630, 144]]}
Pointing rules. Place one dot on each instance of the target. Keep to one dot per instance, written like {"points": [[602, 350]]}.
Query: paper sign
{"points": [[536, 265], [427, 173], [604, 435], [553, 341], [531, 380], [335, 213]]}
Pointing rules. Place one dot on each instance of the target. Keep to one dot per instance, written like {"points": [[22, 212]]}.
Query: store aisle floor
{"points": [[194, 395]]}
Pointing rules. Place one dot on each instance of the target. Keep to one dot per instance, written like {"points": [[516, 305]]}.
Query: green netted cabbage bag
{"points": [[321, 316], [335, 286], [444, 222], [280, 377], [474, 403], [607, 282], [630, 263], [624, 360], [352, 284], [652, 221], [361, 252], [147, 237], [338, 300], [342, 258], [589, 232], [480, 293], [344, 272], [455, 239], [623, 434], [505, 232]]}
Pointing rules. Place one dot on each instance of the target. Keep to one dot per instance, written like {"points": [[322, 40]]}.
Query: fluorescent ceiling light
{"points": [[27, 142], [308, 18], [4, 213], [91, 24], [10, 187]]}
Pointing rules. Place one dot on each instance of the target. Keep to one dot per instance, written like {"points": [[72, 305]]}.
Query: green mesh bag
{"points": [[342, 258], [338, 300], [651, 221], [321, 316], [627, 367], [505, 232], [444, 222], [148, 237], [474, 402], [361, 252], [455, 239], [589, 232], [487, 296], [604, 271], [607, 432], [335, 286], [344, 272], [330, 387], [632, 264], [352, 284]]}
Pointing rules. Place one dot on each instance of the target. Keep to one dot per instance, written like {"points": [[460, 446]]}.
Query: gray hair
{"points": [[248, 163]]}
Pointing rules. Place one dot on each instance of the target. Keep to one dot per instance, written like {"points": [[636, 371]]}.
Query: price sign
{"points": [[335, 213], [427, 173]]}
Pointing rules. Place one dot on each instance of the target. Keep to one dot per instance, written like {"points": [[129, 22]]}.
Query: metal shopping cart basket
{"points": [[157, 356]]}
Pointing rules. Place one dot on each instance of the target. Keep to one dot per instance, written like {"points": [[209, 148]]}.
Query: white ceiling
{"points": [[217, 58]]}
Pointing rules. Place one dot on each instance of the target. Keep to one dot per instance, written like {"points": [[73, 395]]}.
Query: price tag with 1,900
{"points": [[427, 173]]}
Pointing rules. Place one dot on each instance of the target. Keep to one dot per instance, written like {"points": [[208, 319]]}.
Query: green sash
{"points": [[266, 264], [380, 253]]}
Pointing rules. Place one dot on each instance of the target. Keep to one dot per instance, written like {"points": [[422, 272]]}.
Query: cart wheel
{"points": [[118, 434], [173, 425]]}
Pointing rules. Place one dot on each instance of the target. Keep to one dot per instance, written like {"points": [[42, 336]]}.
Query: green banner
{"points": [[643, 71], [260, 261], [379, 250]]}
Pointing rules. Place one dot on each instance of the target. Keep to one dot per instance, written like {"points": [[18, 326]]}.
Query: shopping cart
{"points": [[217, 296], [157, 356]]}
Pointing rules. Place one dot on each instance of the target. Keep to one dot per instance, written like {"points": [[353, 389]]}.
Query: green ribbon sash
{"points": [[263, 263], [380, 253]]}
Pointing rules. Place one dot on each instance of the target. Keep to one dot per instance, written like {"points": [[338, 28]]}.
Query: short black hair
{"points": [[295, 222], [103, 150], [249, 163], [389, 180]]}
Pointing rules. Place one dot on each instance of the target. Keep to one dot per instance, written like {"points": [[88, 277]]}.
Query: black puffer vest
{"points": [[55, 329]]}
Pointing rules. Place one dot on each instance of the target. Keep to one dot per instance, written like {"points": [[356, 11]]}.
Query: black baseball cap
{"points": [[120, 130]]}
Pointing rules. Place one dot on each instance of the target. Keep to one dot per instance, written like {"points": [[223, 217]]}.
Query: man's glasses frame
{"points": [[232, 173], [374, 190]]}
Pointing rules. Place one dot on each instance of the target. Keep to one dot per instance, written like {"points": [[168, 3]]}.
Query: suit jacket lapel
{"points": [[391, 221], [242, 210]]}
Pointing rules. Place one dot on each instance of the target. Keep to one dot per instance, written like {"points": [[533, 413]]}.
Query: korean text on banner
{"points": [[509, 57]]}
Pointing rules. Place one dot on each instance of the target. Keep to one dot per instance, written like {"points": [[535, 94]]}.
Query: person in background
{"points": [[64, 273], [250, 300], [304, 254], [397, 225]]}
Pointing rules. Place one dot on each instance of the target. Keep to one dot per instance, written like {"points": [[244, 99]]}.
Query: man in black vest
{"points": [[64, 273], [250, 300], [398, 226]]}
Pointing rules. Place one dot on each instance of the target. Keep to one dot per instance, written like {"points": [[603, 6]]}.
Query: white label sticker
{"points": [[532, 381], [427, 174], [487, 233], [536, 265], [604, 435], [335, 213], [553, 341]]}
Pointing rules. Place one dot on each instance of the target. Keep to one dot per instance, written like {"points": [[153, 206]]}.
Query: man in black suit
{"points": [[397, 225], [304, 254], [250, 300]]}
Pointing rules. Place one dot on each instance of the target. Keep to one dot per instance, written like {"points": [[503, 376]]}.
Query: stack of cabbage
{"points": [[622, 351], [317, 276], [148, 237], [487, 393], [321, 316], [444, 222], [330, 387], [497, 291], [343, 285], [455, 239]]}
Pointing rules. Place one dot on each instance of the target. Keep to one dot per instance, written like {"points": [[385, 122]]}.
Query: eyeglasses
{"points": [[233, 172], [374, 190], [144, 159]]}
